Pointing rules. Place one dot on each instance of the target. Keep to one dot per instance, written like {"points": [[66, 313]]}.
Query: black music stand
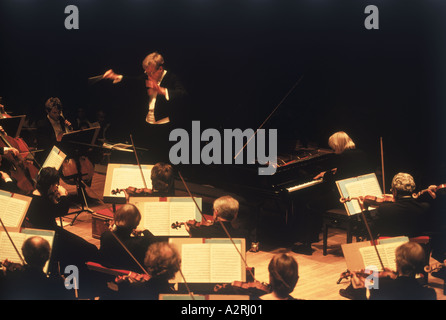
{"points": [[13, 125], [72, 142]]}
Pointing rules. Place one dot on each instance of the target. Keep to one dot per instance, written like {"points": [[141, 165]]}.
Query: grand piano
{"points": [[269, 204]]}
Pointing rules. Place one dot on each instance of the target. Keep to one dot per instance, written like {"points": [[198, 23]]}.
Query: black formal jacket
{"points": [[176, 108], [113, 255], [404, 217]]}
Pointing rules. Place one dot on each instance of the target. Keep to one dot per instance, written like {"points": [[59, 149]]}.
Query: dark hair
{"points": [[36, 251], [46, 178], [127, 217], [283, 274], [52, 103], [162, 177]]}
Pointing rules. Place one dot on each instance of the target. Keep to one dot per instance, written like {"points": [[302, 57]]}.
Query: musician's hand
{"points": [[67, 123], [8, 150], [109, 74], [62, 191], [319, 176], [358, 281], [5, 176]]}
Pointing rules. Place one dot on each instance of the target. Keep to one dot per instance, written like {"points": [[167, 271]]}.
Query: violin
{"points": [[9, 266], [434, 268], [254, 288], [121, 275], [430, 192], [362, 274], [191, 223], [370, 201], [134, 192]]}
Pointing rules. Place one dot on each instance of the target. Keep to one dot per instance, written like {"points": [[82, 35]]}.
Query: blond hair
{"points": [[340, 141], [153, 59], [226, 207]]}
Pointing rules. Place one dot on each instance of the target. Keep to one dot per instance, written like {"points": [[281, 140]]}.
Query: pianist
{"points": [[348, 162]]}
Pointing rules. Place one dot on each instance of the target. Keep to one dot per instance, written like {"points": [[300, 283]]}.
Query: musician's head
{"points": [[403, 184], [53, 107], [36, 251], [153, 65], [47, 178], [283, 274], [410, 259], [226, 208], [162, 260], [127, 217], [340, 141], [162, 177]]}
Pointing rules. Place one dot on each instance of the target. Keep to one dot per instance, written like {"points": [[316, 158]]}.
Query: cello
{"points": [[22, 169]]}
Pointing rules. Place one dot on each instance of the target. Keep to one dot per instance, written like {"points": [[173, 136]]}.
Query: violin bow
{"points": [[193, 198], [382, 165], [137, 161], [13, 244], [270, 115], [343, 200]]}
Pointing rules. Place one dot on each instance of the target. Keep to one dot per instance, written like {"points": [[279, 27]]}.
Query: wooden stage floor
{"points": [[318, 274]]}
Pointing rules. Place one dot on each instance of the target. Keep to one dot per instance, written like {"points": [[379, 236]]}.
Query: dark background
{"points": [[238, 60]]}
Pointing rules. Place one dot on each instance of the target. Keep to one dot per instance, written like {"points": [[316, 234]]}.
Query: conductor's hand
{"points": [[153, 85], [110, 74]]}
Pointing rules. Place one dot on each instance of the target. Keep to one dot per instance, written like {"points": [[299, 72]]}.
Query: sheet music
{"points": [[211, 263], [54, 159], [155, 217], [225, 263], [364, 187], [386, 252], [158, 216], [7, 250], [195, 262], [130, 177], [12, 210], [181, 212]]}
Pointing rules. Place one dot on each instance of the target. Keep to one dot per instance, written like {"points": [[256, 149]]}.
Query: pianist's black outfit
{"points": [[350, 163]]}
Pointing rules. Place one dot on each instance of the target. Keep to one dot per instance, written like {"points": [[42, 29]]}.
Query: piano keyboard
{"points": [[304, 185]]}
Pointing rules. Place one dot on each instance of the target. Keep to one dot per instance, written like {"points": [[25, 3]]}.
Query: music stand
{"points": [[70, 140], [13, 125]]}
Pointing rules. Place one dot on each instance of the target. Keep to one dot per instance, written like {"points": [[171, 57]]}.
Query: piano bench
{"points": [[337, 218]]}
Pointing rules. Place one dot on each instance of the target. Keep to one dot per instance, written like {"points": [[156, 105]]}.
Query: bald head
{"points": [[36, 251]]}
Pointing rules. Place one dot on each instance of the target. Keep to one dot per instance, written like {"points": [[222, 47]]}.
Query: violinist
{"points": [[405, 216], [29, 281], [162, 262], [49, 201], [163, 105], [52, 127], [225, 211], [401, 284], [162, 180], [112, 254], [283, 276]]}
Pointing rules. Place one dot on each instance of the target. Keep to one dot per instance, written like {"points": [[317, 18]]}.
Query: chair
{"points": [[337, 218]]}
